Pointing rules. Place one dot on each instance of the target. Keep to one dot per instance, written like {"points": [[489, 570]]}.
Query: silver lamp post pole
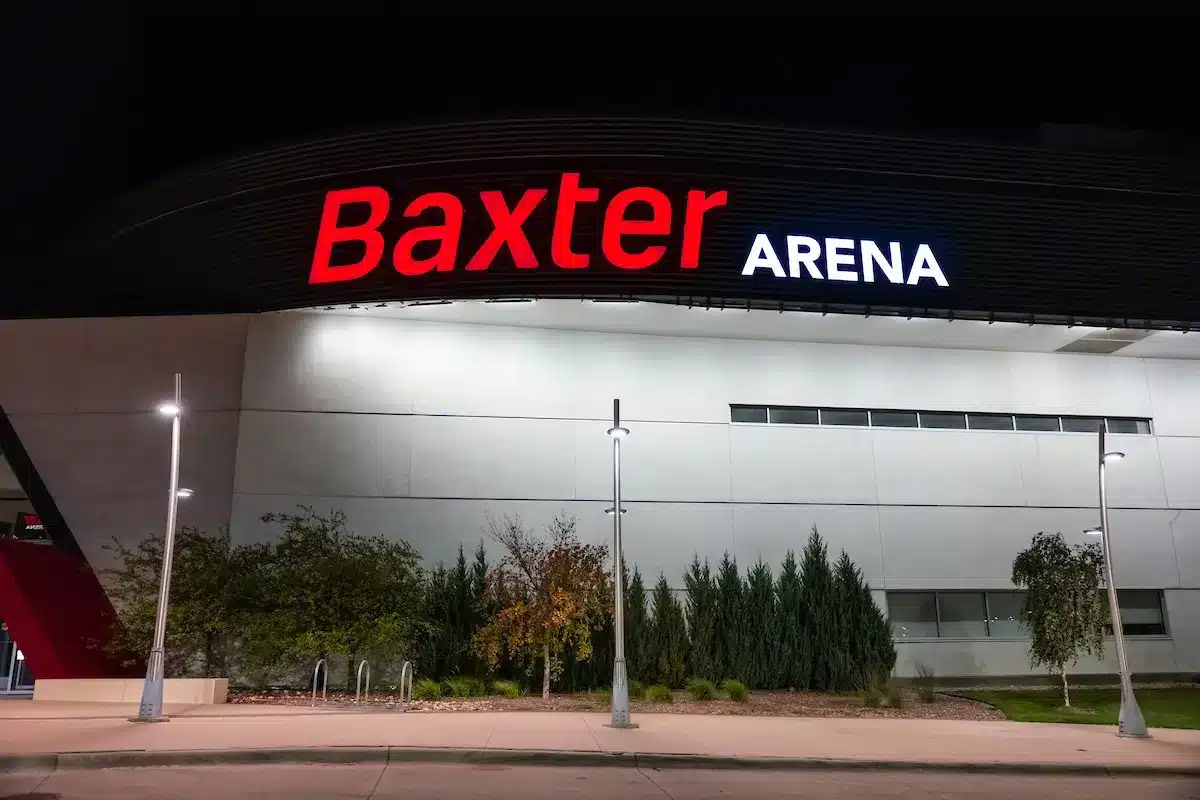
{"points": [[620, 687], [151, 709], [1130, 721]]}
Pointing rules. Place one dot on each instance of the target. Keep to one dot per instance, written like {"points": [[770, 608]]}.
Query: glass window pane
{"points": [[1030, 422], [793, 416], [894, 419], [843, 416], [990, 422], [941, 419], [1006, 619], [912, 614], [961, 615], [1082, 424], [748, 413], [1141, 612], [1121, 425]]}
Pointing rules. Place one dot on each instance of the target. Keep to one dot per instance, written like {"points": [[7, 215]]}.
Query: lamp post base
{"points": [[149, 719], [620, 697], [623, 725], [1130, 722]]}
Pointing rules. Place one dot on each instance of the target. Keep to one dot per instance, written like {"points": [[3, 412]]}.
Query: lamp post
{"points": [[1130, 721], [151, 708], [620, 687]]}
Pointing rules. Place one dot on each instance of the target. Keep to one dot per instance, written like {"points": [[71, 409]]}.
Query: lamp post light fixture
{"points": [[151, 708], [1130, 722], [620, 686]]}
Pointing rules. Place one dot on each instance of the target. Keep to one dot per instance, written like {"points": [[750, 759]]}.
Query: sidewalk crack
{"points": [[656, 784]]}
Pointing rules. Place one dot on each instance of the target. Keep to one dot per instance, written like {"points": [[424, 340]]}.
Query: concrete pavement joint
{"points": [[583, 758]]}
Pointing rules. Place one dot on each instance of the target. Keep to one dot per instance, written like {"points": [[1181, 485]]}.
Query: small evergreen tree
{"points": [[638, 664], [730, 634], [866, 652], [817, 591], [435, 643], [1063, 603], [793, 664], [701, 620], [477, 602], [668, 642], [461, 615], [759, 652]]}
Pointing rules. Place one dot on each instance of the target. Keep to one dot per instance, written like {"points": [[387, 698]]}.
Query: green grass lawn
{"points": [[1176, 707]]}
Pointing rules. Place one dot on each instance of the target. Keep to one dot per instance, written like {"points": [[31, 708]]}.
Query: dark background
{"points": [[95, 105]]}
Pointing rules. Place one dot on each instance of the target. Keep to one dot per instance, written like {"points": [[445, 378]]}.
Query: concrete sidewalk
{"points": [[99, 735]]}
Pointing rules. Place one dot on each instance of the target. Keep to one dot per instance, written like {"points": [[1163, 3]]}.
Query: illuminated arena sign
{"points": [[628, 241], [844, 260]]}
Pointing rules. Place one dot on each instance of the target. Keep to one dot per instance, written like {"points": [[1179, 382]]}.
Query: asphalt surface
{"points": [[452, 781]]}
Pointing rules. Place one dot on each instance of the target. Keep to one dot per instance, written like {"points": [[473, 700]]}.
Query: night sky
{"points": [[97, 106]]}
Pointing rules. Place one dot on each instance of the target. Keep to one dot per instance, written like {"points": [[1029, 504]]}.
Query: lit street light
{"points": [[620, 686], [151, 708], [1130, 721]]}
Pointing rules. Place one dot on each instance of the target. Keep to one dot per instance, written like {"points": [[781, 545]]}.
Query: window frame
{"points": [[1060, 420]]}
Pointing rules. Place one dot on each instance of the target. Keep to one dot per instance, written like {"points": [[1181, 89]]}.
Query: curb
{"points": [[578, 758]]}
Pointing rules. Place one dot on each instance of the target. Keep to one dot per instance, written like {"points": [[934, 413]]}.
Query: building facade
{"points": [[943, 414]]}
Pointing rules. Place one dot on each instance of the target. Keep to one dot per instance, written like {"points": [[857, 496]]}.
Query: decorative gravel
{"points": [[761, 704]]}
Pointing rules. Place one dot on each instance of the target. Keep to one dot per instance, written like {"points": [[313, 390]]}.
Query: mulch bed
{"points": [[759, 704]]}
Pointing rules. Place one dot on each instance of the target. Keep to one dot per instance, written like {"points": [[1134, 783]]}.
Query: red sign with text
{"points": [[632, 233]]}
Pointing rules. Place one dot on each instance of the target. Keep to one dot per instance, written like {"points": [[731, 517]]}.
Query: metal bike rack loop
{"points": [[358, 684], [407, 669], [324, 685]]}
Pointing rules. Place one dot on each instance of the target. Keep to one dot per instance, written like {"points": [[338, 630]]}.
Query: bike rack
{"points": [[325, 684], [407, 669], [358, 683]]}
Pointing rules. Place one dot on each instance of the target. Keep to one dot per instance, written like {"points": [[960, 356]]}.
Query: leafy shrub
{"points": [[465, 686], [701, 689], [659, 694], [636, 690], [427, 689], [872, 698], [926, 684], [509, 689], [735, 690]]}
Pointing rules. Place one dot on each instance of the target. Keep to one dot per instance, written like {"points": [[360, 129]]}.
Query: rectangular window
{"points": [[961, 615], [1141, 612], [894, 419], [1082, 424], [1122, 425], [942, 419], [748, 413], [785, 415], [1037, 422], [990, 422], [913, 615], [1005, 617], [844, 416]]}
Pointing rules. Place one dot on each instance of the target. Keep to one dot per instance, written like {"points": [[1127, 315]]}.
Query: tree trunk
{"points": [[1066, 691], [546, 671]]}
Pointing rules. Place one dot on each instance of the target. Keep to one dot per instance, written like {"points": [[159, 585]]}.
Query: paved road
{"points": [[453, 781]]}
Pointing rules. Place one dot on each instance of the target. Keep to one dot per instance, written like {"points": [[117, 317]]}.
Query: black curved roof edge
{"points": [[828, 147]]}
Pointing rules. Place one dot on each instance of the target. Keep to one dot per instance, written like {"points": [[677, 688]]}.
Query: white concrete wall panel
{"points": [[82, 394], [423, 429]]}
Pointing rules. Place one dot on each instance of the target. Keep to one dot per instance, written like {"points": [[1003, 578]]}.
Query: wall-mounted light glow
{"points": [[184, 493], [169, 410]]}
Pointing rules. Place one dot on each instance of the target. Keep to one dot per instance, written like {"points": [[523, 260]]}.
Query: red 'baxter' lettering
{"points": [[508, 230]]}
